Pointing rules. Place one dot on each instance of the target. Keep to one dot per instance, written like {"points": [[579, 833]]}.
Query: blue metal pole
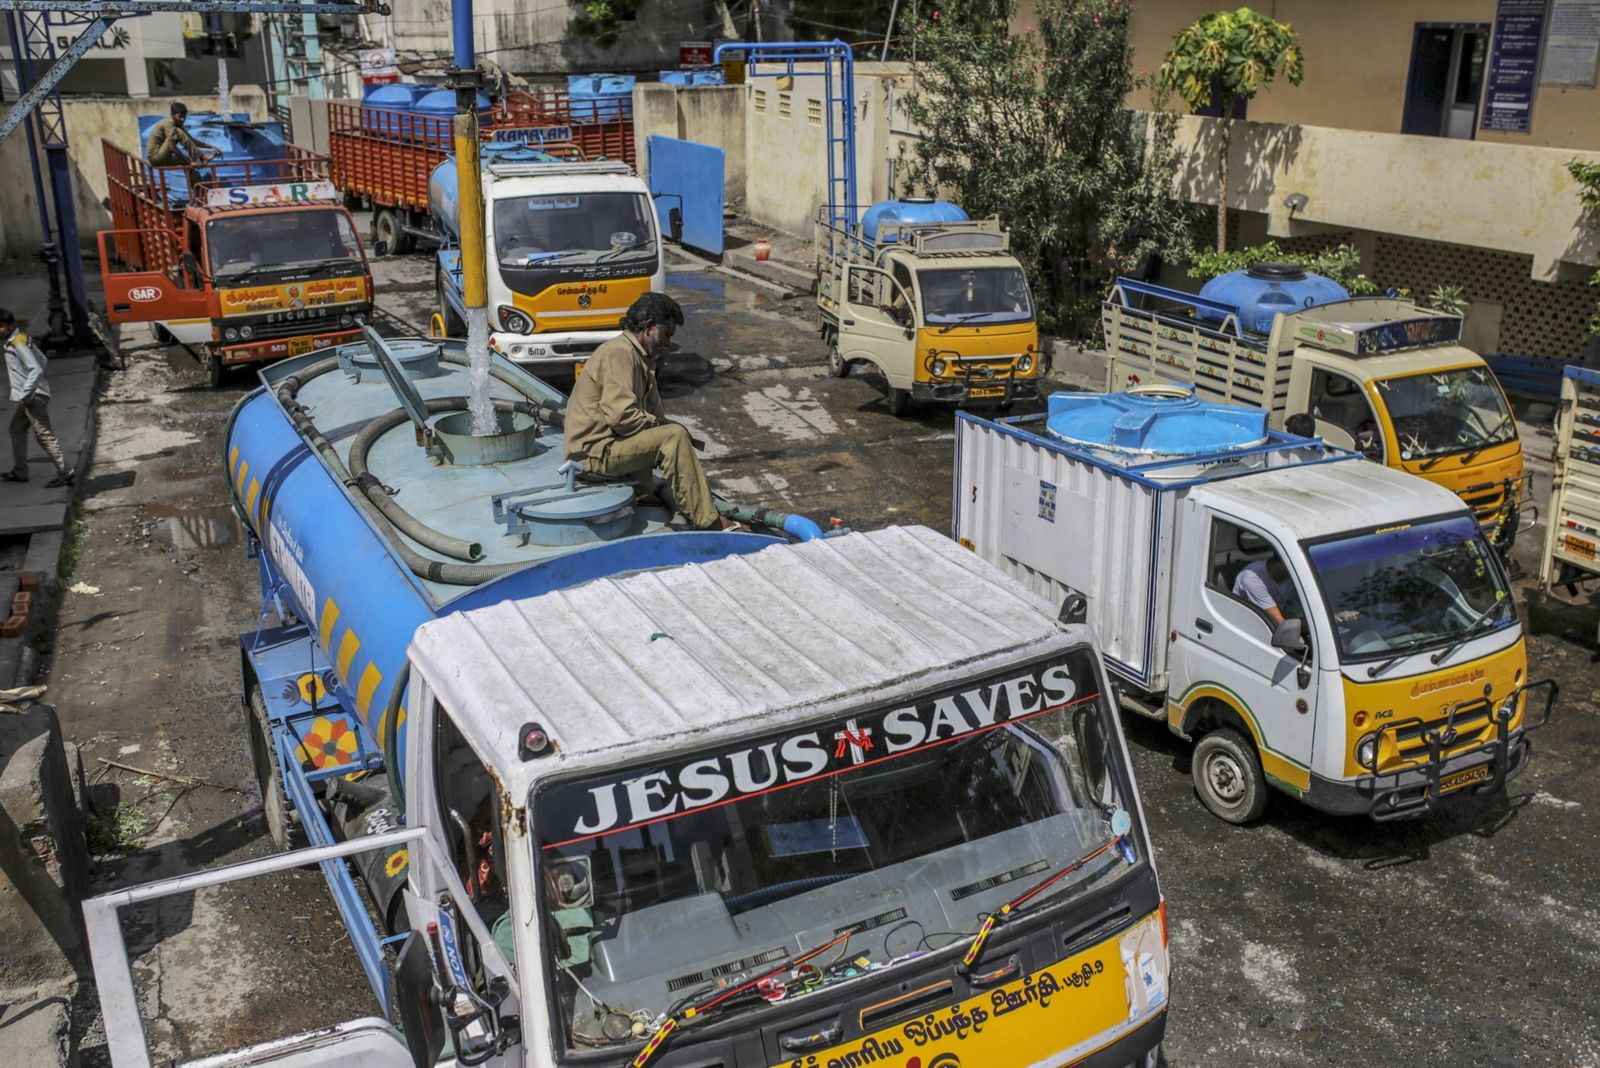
{"points": [[461, 19]]}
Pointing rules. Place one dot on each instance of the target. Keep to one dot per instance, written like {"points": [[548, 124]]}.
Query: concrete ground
{"points": [[1470, 938]]}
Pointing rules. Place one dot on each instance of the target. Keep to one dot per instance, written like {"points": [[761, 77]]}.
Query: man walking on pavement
{"points": [[615, 425], [170, 145], [30, 392]]}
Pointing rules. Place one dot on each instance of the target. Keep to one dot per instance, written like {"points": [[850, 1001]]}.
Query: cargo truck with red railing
{"points": [[241, 261], [382, 156]]}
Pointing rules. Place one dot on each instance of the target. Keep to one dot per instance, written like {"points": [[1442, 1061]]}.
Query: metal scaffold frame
{"points": [[39, 108], [839, 106]]}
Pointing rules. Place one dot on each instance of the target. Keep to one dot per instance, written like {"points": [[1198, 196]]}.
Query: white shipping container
{"points": [[1062, 517]]}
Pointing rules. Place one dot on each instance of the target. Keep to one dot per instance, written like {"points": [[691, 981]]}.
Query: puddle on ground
{"points": [[209, 527]]}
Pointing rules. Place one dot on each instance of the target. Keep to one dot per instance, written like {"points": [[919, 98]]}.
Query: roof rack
{"points": [[541, 170]]}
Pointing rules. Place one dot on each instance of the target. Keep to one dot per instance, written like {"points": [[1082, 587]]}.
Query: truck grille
{"points": [[287, 324], [1470, 724], [1485, 500]]}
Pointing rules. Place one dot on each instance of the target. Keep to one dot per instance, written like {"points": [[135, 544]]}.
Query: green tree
{"points": [[1587, 176], [1031, 127], [1225, 57], [1342, 263]]}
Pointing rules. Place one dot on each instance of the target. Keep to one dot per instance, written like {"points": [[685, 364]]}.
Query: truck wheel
{"points": [[453, 326], [838, 366], [216, 370], [285, 830], [1227, 776], [898, 400], [389, 228]]}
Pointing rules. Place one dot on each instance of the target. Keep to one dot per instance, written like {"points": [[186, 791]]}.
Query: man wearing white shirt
{"points": [[30, 392], [1265, 584]]}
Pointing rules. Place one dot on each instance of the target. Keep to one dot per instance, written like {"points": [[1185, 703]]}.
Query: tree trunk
{"points": [[1223, 129]]}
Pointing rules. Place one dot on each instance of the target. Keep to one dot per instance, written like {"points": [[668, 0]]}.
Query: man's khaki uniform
{"points": [[166, 137], [616, 428]]}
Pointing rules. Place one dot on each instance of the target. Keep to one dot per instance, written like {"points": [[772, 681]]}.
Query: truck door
{"points": [[1343, 415], [869, 329], [1224, 649], [156, 292]]}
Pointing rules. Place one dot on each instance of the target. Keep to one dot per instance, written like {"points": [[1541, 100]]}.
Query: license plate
{"points": [[1578, 547], [987, 391], [1464, 778], [299, 346]]}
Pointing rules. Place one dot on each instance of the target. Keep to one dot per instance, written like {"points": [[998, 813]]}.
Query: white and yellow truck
{"points": [[1386, 674], [1572, 530], [932, 300], [1377, 374]]}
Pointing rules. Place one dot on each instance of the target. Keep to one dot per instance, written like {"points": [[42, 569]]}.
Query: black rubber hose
{"points": [[409, 525]]}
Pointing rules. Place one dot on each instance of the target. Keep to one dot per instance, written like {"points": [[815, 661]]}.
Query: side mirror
{"points": [[675, 223], [191, 265], [380, 248], [415, 1008], [1290, 636]]}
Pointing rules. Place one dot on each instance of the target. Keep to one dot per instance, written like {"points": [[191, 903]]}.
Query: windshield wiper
{"points": [[967, 318], [704, 1009], [1378, 669], [1009, 910], [621, 251], [1475, 627]]}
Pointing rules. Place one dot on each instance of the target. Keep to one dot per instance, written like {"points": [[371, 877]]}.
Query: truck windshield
{"points": [[572, 228], [975, 295], [1398, 591], [260, 244], [904, 825], [1441, 412]]}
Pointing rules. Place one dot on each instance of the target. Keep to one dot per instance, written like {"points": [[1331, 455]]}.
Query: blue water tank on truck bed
{"points": [[923, 211], [241, 140], [1262, 291], [444, 200]]}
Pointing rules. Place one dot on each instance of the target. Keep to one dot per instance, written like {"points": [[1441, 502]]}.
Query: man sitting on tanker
{"points": [[170, 145], [615, 425]]}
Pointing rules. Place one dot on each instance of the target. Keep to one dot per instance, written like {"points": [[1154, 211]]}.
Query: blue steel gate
{"points": [[688, 176]]}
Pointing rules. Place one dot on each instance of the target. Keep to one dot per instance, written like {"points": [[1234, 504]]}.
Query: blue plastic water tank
{"points": [[396, 96], [1147, 424], [593, 98], [240, 140], [441, 104], [1263, 290], [676, 77], [909, 210]]}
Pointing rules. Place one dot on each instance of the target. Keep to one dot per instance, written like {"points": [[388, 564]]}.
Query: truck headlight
{"points": [[936, 368], [1367, 752], [513, 321], [346, 319], [361, 318], [1025, 364], [247, 332], [230, 334]]}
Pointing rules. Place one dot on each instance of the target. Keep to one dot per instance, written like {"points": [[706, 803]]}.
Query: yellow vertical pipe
{"points": [[469, 186]]}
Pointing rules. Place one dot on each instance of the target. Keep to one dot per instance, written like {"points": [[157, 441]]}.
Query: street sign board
{"points": [[694, 54], [242, 196], [377, 66]]}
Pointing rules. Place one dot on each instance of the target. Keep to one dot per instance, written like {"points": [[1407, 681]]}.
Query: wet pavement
{"points": [[1468, 938]]}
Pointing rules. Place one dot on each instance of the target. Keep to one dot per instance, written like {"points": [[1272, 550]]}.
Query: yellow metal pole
{"points": [[469, 186]]}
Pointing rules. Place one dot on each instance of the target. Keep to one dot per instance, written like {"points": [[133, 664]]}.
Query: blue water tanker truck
{"points": [[371, 508]]}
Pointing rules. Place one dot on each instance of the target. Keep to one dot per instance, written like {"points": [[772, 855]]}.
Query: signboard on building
{"points": [[377, 66], [1513, 66], [1572, 44], [694, 54]]}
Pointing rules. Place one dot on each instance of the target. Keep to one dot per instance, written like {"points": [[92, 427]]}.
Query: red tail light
{"points": [[1164, 937]]}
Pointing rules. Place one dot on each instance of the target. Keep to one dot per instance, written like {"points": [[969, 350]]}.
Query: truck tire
{"points": [[898, 400], [453, 326], [388, 226], [838, 366], [285, 830], [216, 370], [1227, 776]]}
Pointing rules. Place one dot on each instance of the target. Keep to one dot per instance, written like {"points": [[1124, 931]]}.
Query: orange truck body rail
{"points": [[386, 156]]}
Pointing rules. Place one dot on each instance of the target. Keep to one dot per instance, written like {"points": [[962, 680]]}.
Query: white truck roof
{"points": [[627, 667], [1310, 500]]}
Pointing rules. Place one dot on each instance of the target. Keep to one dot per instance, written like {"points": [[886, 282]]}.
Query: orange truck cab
{"points": [[249, 270]]}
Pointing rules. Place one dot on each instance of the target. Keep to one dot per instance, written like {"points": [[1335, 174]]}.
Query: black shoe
{"points": [[62, 480]]}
